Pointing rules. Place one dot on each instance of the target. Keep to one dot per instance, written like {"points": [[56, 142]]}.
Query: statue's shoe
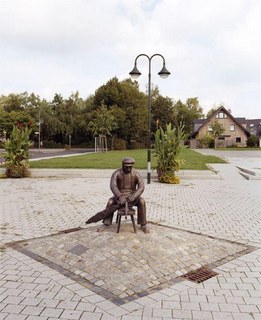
{"points": [[145, 229]]}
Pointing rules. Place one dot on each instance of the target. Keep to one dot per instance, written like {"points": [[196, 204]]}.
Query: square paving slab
{"points": [[124, 266]]}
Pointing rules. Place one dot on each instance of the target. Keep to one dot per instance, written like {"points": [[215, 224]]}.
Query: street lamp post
{"points": [[135, 73], [39, 137]]}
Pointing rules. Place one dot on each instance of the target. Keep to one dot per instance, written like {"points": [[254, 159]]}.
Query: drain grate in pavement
{"points": [[200, 275]]}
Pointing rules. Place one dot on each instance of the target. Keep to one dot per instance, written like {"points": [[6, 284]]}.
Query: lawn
{"points": [[112, 160]]}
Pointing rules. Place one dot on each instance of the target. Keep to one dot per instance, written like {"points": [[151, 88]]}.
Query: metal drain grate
{"points": [[200, 275]]}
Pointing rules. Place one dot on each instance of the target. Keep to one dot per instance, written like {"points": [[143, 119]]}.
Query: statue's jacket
{"points": [[122, 183]]}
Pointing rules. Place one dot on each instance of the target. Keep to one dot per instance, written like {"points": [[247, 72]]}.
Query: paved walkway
{"points": [[51, 270]]}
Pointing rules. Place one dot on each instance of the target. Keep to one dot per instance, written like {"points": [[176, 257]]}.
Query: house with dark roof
{"points": [[252, 125], [236, 130]]}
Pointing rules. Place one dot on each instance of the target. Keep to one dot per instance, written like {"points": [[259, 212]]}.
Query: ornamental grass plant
{"points": [[17, 153], [167, 147]]}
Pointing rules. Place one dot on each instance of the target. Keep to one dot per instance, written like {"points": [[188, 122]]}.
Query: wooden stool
{"points": [[122, 212]]}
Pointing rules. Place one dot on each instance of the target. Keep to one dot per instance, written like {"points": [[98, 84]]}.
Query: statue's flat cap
{"points": [[128, 161]]}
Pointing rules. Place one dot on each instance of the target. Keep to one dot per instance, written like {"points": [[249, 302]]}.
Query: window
{"points": [[232, 127], [238, 139], [221, 115]]}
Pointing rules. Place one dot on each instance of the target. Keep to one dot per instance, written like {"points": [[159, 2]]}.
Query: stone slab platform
{"points": [[125, 266]]}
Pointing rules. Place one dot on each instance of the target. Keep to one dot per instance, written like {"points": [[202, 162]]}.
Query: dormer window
{"points": [[221, 115]]}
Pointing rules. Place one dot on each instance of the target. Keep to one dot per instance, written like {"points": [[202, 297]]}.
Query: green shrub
{"points": [[232, 146], [17, 153], [252, 141], [119, 144], [167, 147], [137, 145], [206, 141], [169, 178], [51, 144]]}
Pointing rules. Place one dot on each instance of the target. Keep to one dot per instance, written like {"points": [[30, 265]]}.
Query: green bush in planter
{"points": [[167, 147], [17, 153], [169, 177]]}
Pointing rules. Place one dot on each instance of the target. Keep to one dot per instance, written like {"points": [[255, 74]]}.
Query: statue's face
{"points": [[126, 169]]}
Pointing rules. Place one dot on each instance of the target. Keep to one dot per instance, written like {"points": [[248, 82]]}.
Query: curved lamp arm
{"points": [[135, 73]]}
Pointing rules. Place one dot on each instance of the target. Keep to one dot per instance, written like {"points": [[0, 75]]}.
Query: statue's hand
{"points": [[131, 198], [122, 200]]}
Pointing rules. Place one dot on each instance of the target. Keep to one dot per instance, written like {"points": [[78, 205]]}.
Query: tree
{"points": [[186, 113], [135, 107], [64, 117], [9, 119], [125, 95], [13, 102], [60, 117], [102, 125], [216, 130], [252, 141], [14, 109], [212, 110], [162, 109], [111, 94], [103, 122]]}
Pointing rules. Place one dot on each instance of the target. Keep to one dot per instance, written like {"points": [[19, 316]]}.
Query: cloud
{"points": [[212, 48]]}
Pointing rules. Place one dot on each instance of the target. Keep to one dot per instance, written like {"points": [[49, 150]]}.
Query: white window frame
{"points": [[221, 115]]}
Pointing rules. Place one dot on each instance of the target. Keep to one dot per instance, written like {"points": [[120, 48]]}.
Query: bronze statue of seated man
{"points": [[127, 185]]}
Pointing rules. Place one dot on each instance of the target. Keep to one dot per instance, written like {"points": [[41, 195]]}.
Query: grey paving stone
{"points": [[202, 315], [162, 312], [36, 318], [31, 310], [13, 300], [182, 314], [228, 307], [13, 309], [91, 316], [222, 315], [16, 317], [227, 209], [71, 314], [31, 301], [51, 312], [242, 316]]}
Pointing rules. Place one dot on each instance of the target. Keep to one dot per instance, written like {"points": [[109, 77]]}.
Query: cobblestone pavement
{"points": [[125, 266], [199, 222]]}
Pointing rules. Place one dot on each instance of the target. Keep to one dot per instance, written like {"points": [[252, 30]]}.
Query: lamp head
{"points": [[135, 72], [164, 73]]}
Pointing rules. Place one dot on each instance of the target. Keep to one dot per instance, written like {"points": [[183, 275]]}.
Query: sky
{"points": [[211, 47]]}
